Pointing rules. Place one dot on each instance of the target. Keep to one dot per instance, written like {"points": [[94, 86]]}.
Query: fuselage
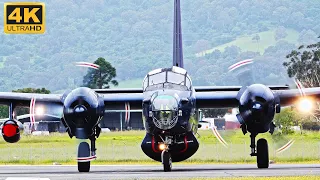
{"points": [[169, 114]]}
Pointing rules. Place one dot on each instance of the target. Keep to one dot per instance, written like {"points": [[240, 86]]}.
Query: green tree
{"points": [[285, 120], [213, 113], [304, 65], [292, 117], [102, 77], [33, 90], [4, 111]]}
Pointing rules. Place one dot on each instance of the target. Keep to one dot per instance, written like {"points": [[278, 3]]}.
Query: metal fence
{"points": [[114, 151]]}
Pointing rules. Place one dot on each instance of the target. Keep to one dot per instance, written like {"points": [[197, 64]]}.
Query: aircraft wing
{"points": [[289, 97], [216, 99], [196, 88], [232, 88], [119, 101], [225, 99], [24, 99]]}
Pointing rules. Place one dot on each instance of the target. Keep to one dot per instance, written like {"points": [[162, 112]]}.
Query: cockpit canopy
{"points": [[168, 78]]}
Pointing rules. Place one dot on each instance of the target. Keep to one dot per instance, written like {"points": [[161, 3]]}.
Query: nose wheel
{"points": [[166, 161], [261, 151], [83, 151], [85, 155], [262, 154]]}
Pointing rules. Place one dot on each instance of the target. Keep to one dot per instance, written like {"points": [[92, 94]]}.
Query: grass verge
{"points": [[124, 148]]}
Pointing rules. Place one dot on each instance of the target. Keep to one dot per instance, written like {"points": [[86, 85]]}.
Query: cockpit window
{"points": [[176, 78], [157, 78], [167, 80], [188, 82]]}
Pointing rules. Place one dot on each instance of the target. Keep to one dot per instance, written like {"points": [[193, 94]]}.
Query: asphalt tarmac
{"points": [[60, 172]]}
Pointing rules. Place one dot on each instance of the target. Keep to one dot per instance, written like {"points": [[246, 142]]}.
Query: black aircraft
{"points": [[169, 103]]}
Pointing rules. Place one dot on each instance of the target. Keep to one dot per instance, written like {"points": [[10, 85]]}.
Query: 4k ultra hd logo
{"points": [[24, 18]]}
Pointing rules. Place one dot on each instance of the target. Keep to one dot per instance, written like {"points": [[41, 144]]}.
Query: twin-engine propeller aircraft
{"points": [[169, 103]]}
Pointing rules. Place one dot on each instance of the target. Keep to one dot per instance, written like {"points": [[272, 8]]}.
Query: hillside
{"points": [[136, 37], [245, 43]]}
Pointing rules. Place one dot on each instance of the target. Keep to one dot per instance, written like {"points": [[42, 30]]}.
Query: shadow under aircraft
{"points": [[170, 104]]}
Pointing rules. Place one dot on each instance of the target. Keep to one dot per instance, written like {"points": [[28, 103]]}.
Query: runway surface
{"points": [[153, 171]]}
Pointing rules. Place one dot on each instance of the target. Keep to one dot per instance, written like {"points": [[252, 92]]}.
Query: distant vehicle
{"points": [[205, 125]]}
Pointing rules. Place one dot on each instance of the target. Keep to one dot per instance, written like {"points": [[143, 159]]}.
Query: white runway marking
{"points": [[131, 172], [26, 178]]}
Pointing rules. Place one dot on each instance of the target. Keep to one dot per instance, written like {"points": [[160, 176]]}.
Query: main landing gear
{"points": [[261, 151], [85, 155]]}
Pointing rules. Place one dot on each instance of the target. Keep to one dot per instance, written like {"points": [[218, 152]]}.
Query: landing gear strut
{"points": [[261, 152], [166, 155], [166, 160]]}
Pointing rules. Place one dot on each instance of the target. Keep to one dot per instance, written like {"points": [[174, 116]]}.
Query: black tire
{"points": [[166, 161], [262, 154], [84, 166], [83, 151]]}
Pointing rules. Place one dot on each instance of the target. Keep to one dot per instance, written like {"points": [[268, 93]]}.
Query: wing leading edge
{"points": [[229, 98], [23, 99], [196, 88], [213, 99]]}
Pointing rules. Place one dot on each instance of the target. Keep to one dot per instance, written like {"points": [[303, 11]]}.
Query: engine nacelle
{"points": [[257, 107], [82, 111], [11, 131]]}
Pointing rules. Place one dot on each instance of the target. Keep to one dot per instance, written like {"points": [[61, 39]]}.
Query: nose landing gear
{"points": [[261, 151], [262, 154], [83, 151], [166, 155], [86, 155], [166, 160]]}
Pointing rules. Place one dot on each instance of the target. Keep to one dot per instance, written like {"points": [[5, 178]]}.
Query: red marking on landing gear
{"points": [[86, 159], [186, 144], [152, 145]]}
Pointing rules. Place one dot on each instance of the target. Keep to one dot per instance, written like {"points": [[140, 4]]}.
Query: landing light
{"points": [[305, 105], [162, 147]]}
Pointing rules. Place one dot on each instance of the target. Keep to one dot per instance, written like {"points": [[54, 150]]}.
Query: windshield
{"points": [[176, 78], [167, 80], [157, 78]]}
